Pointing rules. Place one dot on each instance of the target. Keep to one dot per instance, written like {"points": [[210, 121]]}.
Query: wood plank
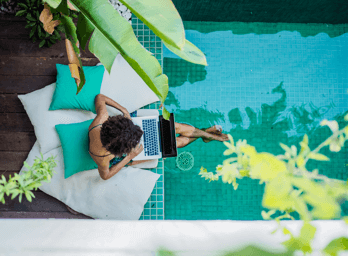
{"points": [[14, 29], [10, 103], [8, 17], [13, 65], [41, 215], [41, 203], [15, 122], [24, 47], [12, 161], [17, 141], [25, 84]]}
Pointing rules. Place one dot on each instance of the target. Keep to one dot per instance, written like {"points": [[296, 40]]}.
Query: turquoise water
{"points": [[265, 88]]}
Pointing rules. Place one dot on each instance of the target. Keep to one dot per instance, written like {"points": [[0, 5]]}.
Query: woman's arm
{"points": [[112, 103], [117, 167]]}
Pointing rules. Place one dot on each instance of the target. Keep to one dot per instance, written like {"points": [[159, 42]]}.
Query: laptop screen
{"points": [[168, 139]]}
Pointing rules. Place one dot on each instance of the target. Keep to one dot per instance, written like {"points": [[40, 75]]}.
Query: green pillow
{"points": [[74, 140], [65, 97]]}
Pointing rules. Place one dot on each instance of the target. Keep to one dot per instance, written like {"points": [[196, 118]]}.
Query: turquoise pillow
{"points": [[74, 140], [65, 97]]}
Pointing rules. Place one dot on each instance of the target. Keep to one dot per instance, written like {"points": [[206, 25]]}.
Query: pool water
{"points": [[266, 83]]}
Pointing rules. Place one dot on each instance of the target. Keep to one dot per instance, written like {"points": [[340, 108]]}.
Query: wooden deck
{"points": [[24, 68]]}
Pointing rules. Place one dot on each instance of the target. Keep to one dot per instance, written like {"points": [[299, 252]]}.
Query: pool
{"points": [[266, 83]]}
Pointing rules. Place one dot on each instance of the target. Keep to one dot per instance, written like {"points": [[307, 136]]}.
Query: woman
{"points": [[115, 140]]}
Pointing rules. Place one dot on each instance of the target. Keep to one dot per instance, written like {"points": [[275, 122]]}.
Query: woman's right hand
{"points": [[136, 151]]}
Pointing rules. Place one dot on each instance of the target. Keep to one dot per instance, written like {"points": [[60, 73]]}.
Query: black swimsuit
{"points": [[113, 161]]}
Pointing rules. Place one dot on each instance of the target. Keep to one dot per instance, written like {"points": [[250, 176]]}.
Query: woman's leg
{"points": [[187, 130], [192, 132], [183, 141]]}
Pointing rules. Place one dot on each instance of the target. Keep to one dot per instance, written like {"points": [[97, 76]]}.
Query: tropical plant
{"points": [[289, 186], [111, 34], [41, 171], [31, 10]]}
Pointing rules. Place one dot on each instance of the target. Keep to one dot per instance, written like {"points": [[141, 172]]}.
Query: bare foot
{"points": [[71, 210], [215, 130]]}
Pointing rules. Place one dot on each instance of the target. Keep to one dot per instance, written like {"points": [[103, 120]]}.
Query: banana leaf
{"points": [[164, 20], [111, 34], [53, 3], [161, 17]]}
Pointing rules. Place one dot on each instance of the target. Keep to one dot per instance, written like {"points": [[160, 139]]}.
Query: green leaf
{"points": [[286, 148], [2, 198], [165, 113], [345, 219], [303, 241], [120, 35], [162, 18], [63, 7], [27, 195], [333, 125], [82, 77], [70, 31], [31, 24], [32, 31], [265, 166], [265, 215], [57, 35], [96, 41], [3, 179], [189, 52], [21, 13], [277, 193], [286, 232], [37, 15], [29, 17], [53, 3], [337, 245], [42, 43], [15, 192], [84, 32], [318, 156], [22, 5], [39, 30]]}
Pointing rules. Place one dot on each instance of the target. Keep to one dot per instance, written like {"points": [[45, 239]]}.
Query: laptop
{"points": [[158, 139]]}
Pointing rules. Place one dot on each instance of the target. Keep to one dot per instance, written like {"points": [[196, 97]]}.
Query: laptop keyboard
{"points": [[151, 141]]}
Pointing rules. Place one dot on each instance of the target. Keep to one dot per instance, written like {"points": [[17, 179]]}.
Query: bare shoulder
{"points": [[98, 120]]}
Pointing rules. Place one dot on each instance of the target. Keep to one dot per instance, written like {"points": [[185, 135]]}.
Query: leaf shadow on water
{"points": [[188, 72], [276, 123], [272, 124]]}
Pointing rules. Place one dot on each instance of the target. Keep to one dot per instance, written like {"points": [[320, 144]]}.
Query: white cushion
{"points": [[123, 86], [122, 197], [36, 104], [132, 92]]}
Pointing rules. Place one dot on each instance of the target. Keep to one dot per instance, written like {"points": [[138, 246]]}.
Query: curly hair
{"points": [[119, 135]]}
